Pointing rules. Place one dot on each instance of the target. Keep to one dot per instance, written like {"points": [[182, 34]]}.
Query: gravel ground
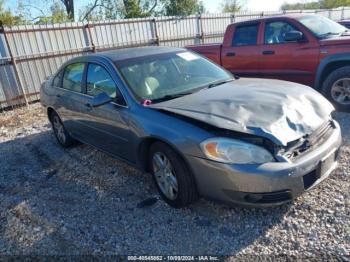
{"points": [[81, 201]]}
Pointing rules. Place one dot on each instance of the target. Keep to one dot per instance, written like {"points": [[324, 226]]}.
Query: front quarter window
{"points": [[322, 27]]}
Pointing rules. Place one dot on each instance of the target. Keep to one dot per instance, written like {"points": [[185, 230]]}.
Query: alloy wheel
{"points": [[165, 176], [59, 129], [340, 91]]}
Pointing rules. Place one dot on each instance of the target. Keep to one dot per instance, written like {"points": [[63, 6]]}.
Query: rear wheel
{"points": [[172, 177], [61, 134], [336, 88]]}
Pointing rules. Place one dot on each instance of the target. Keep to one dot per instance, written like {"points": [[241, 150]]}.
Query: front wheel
{"points": [[172, 177], [336, 88]]}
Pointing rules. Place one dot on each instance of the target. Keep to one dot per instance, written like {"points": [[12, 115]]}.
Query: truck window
{"points": [[245, 35], [276, 31]]}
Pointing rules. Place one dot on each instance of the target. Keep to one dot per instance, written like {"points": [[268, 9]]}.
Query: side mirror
{"points": [[100, 99], [293, 36]]}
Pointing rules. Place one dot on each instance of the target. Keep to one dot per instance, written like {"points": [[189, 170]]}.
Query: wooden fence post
{"points": [[14, 64], [232, 18], [199, 27], [154, 30], [88, 28]]}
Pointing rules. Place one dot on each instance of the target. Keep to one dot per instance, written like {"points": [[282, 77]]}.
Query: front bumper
{"points": [[266, 184]]}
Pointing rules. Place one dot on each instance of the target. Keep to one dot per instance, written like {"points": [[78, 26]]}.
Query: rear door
{"points": [[291, 61], [240, 51], [68, 85]]}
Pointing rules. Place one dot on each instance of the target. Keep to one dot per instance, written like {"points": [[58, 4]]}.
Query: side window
{"points": [[57, 80], [99, 81], [72, 78], [276, 31], [245, 35]]}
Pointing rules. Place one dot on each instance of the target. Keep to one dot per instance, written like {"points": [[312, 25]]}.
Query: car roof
{"points": [[291, 15], [128, 53]]}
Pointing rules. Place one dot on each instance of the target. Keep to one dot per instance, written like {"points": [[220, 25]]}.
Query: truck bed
{"points": [[211, 51]]}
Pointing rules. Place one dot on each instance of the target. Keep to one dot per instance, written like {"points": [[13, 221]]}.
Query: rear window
{"points": [[246, 35]]}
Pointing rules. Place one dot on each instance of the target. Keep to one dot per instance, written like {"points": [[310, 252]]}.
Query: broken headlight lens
{"points": [[234, 151]]}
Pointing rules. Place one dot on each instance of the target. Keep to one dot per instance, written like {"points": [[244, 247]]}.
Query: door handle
{"points": [[88, 106], [231, 54], [268, 52]]}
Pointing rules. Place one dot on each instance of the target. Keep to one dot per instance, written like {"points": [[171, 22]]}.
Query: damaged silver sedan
{"points": [[200, 131]]}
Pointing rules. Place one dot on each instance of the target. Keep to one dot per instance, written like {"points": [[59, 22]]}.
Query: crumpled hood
{"points": [[278, 110]]}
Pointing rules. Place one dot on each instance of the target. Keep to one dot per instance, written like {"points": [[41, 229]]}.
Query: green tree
{"points": [[335, 3], [58, 15], [8, 18], [135, 8], [321, 4], [301, 6], [183, 7], [113, 9], [231, 6]]}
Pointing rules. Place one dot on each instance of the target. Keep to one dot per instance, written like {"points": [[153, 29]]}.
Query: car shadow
{"points": [[81, 201]]}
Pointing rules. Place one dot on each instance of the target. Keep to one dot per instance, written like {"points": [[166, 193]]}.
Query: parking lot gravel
{"points": [[79, 201]]}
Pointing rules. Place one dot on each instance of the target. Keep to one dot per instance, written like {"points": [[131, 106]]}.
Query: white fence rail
{"points": [[31, 53]]}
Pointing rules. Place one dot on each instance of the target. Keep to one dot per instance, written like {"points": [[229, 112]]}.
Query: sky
{"points": [[212, 6]]}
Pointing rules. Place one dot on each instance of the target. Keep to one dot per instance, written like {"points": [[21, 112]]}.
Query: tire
{"points": [[186, 192], [332, 91], [61, 134]]}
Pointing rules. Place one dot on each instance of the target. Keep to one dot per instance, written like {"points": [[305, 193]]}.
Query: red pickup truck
{"points": [[307, 49]]}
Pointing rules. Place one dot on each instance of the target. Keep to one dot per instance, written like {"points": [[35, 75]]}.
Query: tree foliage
{"points": [[137, 8], [183, 7], [231, 6], [8, 18], [114, 9], [58, 15], [321, 4], [335, 3]]}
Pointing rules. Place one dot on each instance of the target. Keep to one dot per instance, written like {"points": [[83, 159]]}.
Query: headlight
{"points": [[233, 151]]}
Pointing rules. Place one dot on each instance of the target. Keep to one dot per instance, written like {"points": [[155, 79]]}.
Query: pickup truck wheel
{"points": [[336, 88], [173, 179]]}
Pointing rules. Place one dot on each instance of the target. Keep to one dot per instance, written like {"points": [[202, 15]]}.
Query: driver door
{"points": [[106, 126], [291, 61]]}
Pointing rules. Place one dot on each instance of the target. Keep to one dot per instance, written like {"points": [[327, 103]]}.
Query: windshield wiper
{"points": [[221, 82], [169, 97]]}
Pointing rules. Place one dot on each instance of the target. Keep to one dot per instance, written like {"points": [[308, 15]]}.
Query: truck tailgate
{"points": [[211, 51]]}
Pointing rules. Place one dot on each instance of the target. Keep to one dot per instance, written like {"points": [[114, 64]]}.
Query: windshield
{"points": [[166, 75], [322, 27]]}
